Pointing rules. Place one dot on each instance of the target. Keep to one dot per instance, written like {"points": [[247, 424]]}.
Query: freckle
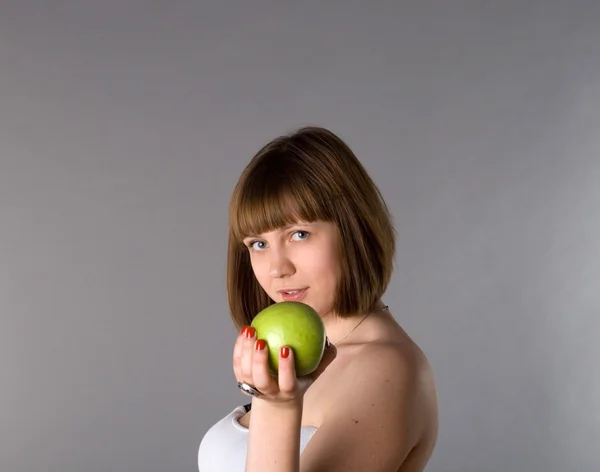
{"points": [[373, 404], [355, 421]]}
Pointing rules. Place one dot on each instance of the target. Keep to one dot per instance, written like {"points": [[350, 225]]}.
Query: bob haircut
{"points": [[311, 175]]}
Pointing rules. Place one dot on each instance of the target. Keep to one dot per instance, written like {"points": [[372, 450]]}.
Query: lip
{"points": [[298, 289], [294, 297]]}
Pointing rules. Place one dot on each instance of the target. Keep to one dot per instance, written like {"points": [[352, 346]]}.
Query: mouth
{"points": [[293, 294]]}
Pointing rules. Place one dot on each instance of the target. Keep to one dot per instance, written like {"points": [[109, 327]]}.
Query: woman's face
{"points": [[298, 263]]}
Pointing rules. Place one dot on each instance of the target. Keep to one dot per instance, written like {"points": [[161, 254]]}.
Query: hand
{"points": [[250, 365]]}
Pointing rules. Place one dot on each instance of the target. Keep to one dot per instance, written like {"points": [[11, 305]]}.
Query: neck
{"points": [[338, 327]]}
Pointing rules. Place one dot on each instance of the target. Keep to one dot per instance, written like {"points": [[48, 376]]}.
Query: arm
{"points": [[274, 430], [274, 437]]}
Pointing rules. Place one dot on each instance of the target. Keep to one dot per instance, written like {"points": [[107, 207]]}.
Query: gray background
{"points": [[124, 126]]}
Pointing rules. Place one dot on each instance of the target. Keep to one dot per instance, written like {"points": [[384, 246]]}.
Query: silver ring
{"points": [[248, 389]]}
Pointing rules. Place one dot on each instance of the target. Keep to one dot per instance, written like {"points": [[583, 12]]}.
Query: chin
{"points": [[315, 306]]}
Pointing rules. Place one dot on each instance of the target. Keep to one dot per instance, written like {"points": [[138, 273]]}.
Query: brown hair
{"points": [[311, 175]]}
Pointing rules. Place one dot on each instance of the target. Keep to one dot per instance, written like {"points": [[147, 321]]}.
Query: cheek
{"points": [[259, 269], [326, 266]]}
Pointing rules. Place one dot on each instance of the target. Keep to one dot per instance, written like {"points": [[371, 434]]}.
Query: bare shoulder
{"points": [[391, 372], [385, 357], [383, 411], [394, 381]]}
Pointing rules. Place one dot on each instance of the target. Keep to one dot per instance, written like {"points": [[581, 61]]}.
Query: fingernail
{"points": [[285, 352], [250, 332], [260, 344], [243, 332]]}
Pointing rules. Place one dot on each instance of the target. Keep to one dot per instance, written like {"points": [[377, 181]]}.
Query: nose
{"points": [[280, 265]]}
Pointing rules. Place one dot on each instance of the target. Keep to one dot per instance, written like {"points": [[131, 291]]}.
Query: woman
{"points": [[307, 223]]}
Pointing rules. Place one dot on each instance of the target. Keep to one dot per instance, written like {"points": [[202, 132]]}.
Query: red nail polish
{"points": [[260, 344], [243, 332], [250, 332], [285, 352]]}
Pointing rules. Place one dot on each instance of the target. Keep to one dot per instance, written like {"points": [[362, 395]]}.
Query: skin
{"points": [[388, 423]]}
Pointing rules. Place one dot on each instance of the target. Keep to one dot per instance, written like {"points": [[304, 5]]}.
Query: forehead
{"points": [[296, 223], [264, 204], [324, 230]]}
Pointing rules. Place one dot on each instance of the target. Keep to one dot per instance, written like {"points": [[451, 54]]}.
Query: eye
{"points": [[256, 245], [300, 235]]}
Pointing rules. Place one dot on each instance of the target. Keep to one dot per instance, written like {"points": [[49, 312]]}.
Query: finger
{"points": [[238, 350], [287, 372], [261, 375], [247, 354]]}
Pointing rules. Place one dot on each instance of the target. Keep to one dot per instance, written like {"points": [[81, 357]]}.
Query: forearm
{"points": [[274, 437]]}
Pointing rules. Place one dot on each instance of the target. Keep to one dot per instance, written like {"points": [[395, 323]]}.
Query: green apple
{"points": [[296, 325]]}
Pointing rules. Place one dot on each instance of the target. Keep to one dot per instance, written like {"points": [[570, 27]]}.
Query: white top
{"points": [[223, 447]]}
